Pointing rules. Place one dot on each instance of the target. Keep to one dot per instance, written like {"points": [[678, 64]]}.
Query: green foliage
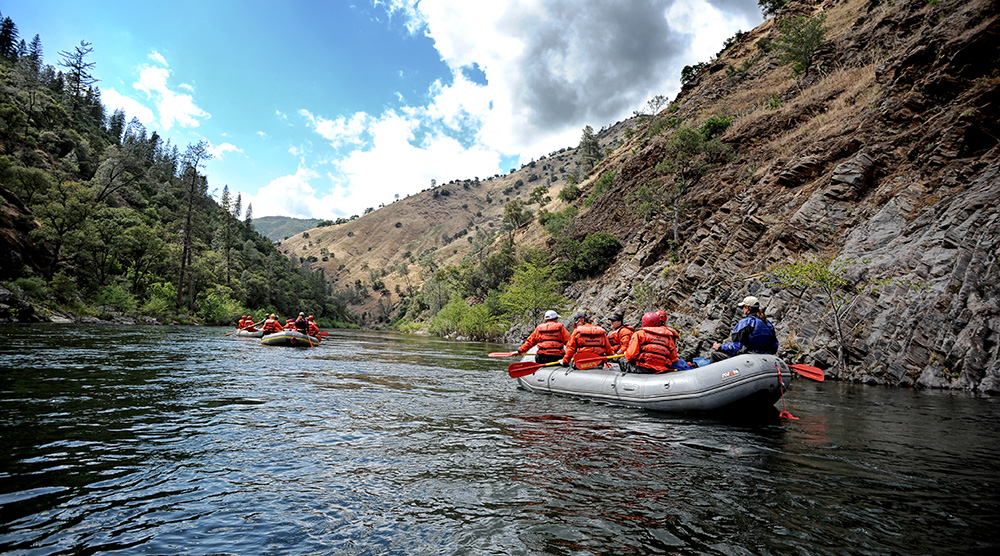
{"points": [[715, 126], [649, 200], [31, 288], [829, 278], [459, 318], [798, 39], [515, 214], [217, 306], [589, 149], [597, 252], [774, 102], [570, 193], [115, 297], [160, 303], [771, 7], [690, 72], [689, 155], [601, 186], [557, 223], [532, 292], [126, 221], [540, 196]]}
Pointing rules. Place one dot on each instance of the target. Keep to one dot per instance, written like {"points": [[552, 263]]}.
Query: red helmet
{"points": [[650, 319], [663, 317]]}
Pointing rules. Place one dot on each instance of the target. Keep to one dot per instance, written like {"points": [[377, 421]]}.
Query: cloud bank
{"points": [[551, 67]]}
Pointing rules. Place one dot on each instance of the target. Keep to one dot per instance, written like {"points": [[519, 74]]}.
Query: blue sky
{"points": [[322, 109]]}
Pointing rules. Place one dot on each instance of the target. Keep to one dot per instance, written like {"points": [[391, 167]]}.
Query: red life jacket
{"points": [[272, 325], [590, 339], [657, 348], [550, 339], [619, 337]]}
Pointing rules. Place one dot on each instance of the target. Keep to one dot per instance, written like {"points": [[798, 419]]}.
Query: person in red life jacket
{"points": [[653, 348], [302, 324], [587, 338], [550, 336], [242, 323], [249, 325], [271, 324], [753, 334], [620, 334], [290, 324], [313, 327]]}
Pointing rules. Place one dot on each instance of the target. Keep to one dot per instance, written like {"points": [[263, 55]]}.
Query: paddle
{"points": [[589, 361], [503, 354], [525, 368], [814, 373], [238, 329]]}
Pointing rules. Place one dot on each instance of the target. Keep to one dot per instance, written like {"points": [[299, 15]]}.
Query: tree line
{"points": [[126, 222]]}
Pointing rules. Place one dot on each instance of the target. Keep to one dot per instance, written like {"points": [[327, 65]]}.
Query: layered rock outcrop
{"points": [[887, 156]]}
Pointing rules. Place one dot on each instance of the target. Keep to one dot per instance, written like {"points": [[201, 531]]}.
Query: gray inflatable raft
{"points": [[744, 381]]}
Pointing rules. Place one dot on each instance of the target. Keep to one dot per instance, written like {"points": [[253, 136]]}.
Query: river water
{"points": [[179, 440]]}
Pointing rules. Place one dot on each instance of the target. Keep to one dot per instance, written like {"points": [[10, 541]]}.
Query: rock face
{"points": [[887, 156]]}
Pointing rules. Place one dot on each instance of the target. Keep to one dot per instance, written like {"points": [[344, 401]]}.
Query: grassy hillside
{"points": [[277, 228]]}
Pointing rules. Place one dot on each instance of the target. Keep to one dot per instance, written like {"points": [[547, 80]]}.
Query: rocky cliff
{"points": [[886, 154]]}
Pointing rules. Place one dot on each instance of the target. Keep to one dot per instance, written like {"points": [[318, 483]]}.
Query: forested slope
{"points": [[102, 219]]}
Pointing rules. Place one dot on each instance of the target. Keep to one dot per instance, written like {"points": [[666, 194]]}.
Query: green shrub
{"points": [[799, 38], [601, 186], [218, 307], [597, 252], [715, 126], [570, 193], [31, 288], [116, 297]]}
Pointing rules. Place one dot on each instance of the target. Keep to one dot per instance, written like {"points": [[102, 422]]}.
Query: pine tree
{"points": [[78, 78], [8, 39], [194, 158], [590, 149]]}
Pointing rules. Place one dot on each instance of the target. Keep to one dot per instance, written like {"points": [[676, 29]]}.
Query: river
{"points": [[180, 440]]}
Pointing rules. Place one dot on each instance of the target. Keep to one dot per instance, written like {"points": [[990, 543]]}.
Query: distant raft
{"points": [[744, 382], [249, 334], [291, 338]]}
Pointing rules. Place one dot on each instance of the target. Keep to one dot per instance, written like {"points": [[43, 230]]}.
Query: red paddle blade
{"points": [[523, 368], [814, 373], [502, 354]]}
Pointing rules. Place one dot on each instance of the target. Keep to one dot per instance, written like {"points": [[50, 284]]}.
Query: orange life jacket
{"points": [[551, 338], [657, 348], [619, 338], [313, 328], [591, 338], [272, 325]]}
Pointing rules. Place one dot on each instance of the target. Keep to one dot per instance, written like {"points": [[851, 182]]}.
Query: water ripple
{"points": [[156, 440]]}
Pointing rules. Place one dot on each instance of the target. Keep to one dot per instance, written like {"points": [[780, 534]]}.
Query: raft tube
{"points": [[745, 381], [292, 338], [249, 334]]}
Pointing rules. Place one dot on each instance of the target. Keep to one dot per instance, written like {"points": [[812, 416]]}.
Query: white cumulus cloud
{"points": [[173, 108]]}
